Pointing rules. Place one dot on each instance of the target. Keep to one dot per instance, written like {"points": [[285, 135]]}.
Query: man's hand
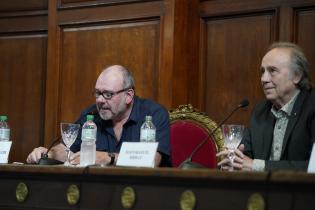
{"points": [[225, 163], [36, 154], [241, 161], [158, 159], [247, 161], [101, 158], [74, 158]]}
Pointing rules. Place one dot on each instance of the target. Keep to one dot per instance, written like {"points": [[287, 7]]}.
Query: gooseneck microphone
{"points": [[45, 160], [187, 163]]}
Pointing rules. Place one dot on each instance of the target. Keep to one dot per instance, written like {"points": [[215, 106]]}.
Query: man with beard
{"points": [[118, 114], [282, 128]]}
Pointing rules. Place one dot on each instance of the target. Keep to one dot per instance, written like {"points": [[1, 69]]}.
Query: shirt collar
{"points": [[133, 114], [287, 108], [135, 110]]}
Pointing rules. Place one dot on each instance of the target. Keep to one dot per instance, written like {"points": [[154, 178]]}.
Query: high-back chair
{"points": [[189, 128]]}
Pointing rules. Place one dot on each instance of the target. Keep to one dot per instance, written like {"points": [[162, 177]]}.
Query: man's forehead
{"points": [[109, 80], [279, 56]]}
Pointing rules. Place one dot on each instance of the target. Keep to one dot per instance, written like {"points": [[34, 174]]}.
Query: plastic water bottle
{"points": [[148, 130], [88, 137], [4, 129]]}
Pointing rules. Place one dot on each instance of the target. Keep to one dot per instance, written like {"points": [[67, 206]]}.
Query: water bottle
{"points": [[4, 129], [148, 130], [88, 137]]}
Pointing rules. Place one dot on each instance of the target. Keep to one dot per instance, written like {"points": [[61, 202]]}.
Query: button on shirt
{"points": [[282, 118]]}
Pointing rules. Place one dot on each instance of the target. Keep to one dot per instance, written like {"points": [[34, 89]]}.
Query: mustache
{"points": [[103, 106]]}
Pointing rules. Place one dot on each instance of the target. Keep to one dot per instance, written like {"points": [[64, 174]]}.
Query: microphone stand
{"points": [[45, 160], [188, 163]]}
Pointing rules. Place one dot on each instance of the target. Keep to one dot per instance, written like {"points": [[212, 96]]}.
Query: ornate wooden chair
{"points": [[189, 128]]}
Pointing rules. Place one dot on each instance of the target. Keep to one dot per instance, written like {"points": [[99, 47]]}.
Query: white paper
{"points": [[137, 154], [5, 147], [311, 164]]}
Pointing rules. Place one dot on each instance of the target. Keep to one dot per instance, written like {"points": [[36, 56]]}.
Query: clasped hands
{"points": [[241, 161]]}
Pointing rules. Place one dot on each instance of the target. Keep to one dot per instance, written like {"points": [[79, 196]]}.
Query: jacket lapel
{"points": [[267, 134], [296, 112]]}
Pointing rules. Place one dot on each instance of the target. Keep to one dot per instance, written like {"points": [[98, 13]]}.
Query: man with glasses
{"points": [[118, 114]]}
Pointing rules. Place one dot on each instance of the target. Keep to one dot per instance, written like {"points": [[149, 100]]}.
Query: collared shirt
{"points": [[282, 118], [106, 139]]}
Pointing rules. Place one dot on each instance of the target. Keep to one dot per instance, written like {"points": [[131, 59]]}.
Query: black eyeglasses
{"points": [[108, 94]]}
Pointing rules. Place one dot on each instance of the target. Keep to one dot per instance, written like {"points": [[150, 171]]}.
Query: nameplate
{"points": [[5, 147], [311, 164], [137, 154]]}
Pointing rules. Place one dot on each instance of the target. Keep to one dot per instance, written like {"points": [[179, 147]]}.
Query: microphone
{"points": [[187, 163], [93, 112], [45, 160]]}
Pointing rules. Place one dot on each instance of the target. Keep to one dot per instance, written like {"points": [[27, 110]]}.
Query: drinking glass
{"points": [[233, 135], [69, 132]]}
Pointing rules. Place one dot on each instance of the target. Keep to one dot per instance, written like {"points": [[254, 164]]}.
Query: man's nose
{"points": [[100, 99], [265, 77]]}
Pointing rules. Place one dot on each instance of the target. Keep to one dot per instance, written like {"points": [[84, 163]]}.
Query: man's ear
{"points": [[130, 94], [297, 78]]}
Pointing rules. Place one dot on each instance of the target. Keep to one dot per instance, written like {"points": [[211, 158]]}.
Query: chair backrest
{"points": [[189, 127]]}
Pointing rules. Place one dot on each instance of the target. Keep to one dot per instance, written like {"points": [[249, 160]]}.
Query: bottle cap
{"points": [[148, 118], [3, 118], [89, 117]]}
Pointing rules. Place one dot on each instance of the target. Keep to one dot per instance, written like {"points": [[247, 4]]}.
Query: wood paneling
{"points": [[22, 90], [165, 93], [22, 5], [21, 18], [304, 34], [66, 4], [102, 188], [23, 23], [234, 37], [23, 46], [132, 13], [133, 45], [186, 40], [231, 69]]}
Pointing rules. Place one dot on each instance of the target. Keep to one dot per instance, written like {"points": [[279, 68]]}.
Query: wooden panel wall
{"points": [[234, 38], [131, 44], [304, 32], [202, 52], [23, 47]]}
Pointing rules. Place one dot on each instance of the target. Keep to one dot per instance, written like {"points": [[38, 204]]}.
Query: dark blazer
{"points": [[299, 136]]}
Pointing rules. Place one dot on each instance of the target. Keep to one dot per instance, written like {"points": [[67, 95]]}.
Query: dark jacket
{"points": [[299, 136]]}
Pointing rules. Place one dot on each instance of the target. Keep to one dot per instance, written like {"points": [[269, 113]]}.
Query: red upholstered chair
{"points": [[189, 127]]}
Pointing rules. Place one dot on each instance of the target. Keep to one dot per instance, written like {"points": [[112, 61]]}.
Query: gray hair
{"points": [[128, 78], [299, 63], [128, 81]]}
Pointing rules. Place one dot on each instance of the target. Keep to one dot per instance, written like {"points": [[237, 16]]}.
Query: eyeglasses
{"points": [[108, 94]]}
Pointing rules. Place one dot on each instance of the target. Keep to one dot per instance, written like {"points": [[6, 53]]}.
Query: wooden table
{"points": [[59, 187]]}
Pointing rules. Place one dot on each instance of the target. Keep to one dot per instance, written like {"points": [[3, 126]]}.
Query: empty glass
{"points": [[233, 135], [69, 132]]}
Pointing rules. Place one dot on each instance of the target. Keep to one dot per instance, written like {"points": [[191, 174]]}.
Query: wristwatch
{"points": [[112, 158]]}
